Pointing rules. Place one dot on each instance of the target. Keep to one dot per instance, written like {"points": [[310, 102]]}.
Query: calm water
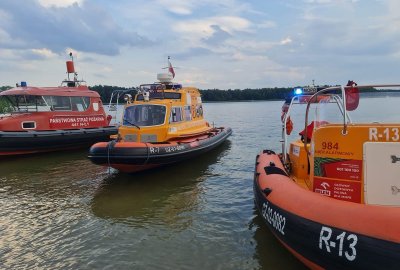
{"points": [[58, 211]]}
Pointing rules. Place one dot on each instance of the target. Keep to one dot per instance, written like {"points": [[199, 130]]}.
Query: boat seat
{"points": [[310, 129]]}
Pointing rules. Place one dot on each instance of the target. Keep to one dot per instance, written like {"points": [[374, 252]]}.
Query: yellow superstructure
{"points": [[161, 112]]}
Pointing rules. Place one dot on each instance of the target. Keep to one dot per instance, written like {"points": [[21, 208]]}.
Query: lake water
{"points": [[59, 211]]}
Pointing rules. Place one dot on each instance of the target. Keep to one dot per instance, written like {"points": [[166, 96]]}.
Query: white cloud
{"points": [[89, 28], [181, 7], [44, 52], [286, 41], [59, 3], [194, 31]]}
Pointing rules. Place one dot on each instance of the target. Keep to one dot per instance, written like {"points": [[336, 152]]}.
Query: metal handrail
{"points": [[295, 100], [344, 110]]}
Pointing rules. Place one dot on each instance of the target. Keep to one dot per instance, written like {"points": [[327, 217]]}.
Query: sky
{"points": [[224, 44]]}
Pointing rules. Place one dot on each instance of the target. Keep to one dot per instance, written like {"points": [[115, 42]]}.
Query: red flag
{"points": [[352, 96], [171, 69]]}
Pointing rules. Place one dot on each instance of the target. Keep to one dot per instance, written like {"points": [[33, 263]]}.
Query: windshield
{"points": [[144, 115], [381, 107], [372, 107], [325, 110]]}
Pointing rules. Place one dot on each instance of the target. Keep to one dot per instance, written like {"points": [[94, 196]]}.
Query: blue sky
{"points": [[213, 44]]}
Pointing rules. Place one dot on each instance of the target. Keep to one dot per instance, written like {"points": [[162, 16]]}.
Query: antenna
{"points": [[71, 70]]}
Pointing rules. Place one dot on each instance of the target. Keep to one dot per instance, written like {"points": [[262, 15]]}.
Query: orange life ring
{"points": [[289, 126]]}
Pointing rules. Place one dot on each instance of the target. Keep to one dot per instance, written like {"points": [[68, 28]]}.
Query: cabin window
{"points": [[160, 95], [6, 105], [199, 110], [22, 103], [144, 115], [80, 104], [31, 103], [176, 115], [188, 113], [58, 103]]}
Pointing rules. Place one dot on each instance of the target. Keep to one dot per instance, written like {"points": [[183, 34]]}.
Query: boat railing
{"points": [[114, 104], [341, 99], [152, 91], [74, 83], [307, 99]]}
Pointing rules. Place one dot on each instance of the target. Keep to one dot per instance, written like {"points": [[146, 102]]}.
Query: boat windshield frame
{"points": [[129, 122], [308, 99], [342, 90], [340, 99]]}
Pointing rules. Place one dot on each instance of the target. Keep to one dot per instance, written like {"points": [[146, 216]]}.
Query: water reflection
{"points": [[51, 174], [44, 199], [165, 196], [269, 251]]}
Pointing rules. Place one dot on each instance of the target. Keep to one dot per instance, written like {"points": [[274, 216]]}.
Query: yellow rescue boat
{"points": [[163, 124]]}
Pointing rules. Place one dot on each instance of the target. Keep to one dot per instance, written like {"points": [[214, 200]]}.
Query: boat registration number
{"points": [[274, 218], [169, 149], [386, 134], [344, 243]]}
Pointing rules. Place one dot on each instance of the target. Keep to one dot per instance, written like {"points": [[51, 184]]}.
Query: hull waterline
{"points": [[132, 157]]}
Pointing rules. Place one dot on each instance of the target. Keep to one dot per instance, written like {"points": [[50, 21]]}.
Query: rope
{"points": [[148, 154], [109, 145]]}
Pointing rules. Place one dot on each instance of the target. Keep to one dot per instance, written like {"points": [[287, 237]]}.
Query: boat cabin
{"points": [[48, 108], [66, 107], [161, 112], [356, 161]]}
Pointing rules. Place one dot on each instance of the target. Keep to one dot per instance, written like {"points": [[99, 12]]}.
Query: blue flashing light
{"points": [[298, 91], [23, 84]]}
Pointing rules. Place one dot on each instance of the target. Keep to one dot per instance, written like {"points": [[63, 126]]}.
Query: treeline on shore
{"points": [[275, 93], [2, 88], [209, 94], [105, 91]]}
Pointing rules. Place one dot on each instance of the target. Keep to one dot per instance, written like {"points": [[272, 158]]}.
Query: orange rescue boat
{"points": [[332, 197]]}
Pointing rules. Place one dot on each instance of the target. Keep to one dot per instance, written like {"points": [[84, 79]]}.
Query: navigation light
{"points": [[298, 91]]}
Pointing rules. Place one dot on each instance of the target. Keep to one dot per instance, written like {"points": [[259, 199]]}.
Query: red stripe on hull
{"points": [[304, 260]]}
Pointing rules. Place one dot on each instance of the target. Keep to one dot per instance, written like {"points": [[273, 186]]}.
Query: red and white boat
{"points": [[42, 119]]}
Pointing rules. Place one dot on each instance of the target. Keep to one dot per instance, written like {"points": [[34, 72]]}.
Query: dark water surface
{"points": [[59, 211]]}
